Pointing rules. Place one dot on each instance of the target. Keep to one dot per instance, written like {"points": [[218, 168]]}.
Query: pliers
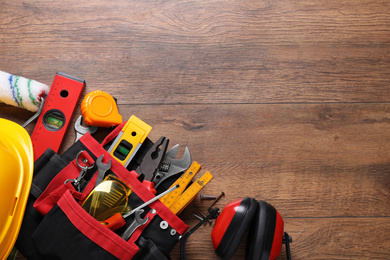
{"points": [[152, 162]]}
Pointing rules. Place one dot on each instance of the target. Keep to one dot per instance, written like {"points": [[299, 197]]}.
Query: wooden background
{"points": [[284, 101]]}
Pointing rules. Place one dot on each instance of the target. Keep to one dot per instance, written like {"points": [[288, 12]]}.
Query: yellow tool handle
{"points": [[190, 193], [183, 181]]}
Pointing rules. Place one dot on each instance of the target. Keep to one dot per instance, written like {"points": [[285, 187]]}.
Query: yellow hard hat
{"points": [[16, 171]]}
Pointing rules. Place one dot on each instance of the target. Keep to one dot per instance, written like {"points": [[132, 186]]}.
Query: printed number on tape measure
{"points": [[190, 193], [183, 181]]}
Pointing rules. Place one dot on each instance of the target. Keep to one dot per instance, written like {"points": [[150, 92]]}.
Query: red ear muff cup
{"points": [[231, 225], [265, 235], [278, 237]]}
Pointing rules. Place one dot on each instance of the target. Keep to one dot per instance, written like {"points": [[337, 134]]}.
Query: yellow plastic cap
{"points": [[100, 109], [17, 165]]}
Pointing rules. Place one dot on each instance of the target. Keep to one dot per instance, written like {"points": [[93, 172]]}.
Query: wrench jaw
{"points": [[137, 222], [102, 169], [173, 151], [138, 218], [171, 166], [82, 130]]}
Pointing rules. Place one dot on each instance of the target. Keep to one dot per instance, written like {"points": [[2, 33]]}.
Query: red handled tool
{"points": [[114, 222], [57, 112], [117, 220], [151, 163]]}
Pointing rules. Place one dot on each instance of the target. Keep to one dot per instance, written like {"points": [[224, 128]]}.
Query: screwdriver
{"points": [[117, 220], [151, 201]]}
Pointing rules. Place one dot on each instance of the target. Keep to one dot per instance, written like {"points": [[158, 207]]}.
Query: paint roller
{"points": [[21, 92]]}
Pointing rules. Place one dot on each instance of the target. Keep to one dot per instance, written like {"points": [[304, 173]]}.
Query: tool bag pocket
{"points": [[66, 231], [46, 168]]}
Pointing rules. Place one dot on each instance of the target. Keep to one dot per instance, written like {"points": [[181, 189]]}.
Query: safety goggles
{"points": [[108, 198]]}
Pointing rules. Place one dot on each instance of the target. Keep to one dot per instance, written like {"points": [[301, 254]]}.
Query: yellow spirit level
{"points": [[129, 140]]}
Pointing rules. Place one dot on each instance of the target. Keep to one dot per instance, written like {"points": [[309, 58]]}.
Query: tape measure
{"points": [[129, 140], [190, 193], [100, 109], [183, 181], [57, 112]]}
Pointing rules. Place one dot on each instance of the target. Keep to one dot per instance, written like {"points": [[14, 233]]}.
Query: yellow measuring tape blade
{"points": [[190, 193], [183, 181]]}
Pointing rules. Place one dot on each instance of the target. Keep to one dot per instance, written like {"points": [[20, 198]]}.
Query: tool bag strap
{"points": [[111, 136]]}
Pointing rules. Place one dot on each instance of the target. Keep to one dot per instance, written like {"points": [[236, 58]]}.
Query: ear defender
{"points": [[265, 236], [231, 225], [265, 230]]}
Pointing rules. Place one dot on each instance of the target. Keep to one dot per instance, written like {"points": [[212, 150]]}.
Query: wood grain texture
{"points": [[284, 101], [205, 51], [315, 242]]}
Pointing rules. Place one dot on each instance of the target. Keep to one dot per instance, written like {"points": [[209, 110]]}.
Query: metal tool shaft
{"points": [[151, 201], [217, 199]]}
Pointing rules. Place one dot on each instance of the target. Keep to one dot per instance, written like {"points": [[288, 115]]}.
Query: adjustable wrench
{"points": [[102, 168], [81, 130], [137, 222], [171, 166]]}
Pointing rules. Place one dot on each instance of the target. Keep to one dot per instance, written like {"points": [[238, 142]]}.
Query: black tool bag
{"points": [[55, 226]]}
